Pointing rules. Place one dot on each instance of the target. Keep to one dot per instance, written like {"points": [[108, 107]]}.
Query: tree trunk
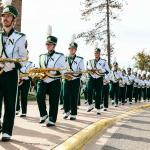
{"points": [[108, 35]]}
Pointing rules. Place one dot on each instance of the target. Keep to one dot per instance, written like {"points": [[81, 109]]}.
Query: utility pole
{"points": [[108, 35]]}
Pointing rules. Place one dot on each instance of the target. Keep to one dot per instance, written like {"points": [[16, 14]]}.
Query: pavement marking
{"points": [[77, 141]]}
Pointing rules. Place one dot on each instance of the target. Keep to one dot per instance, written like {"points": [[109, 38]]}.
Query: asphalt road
{"points": [[131, 134]]}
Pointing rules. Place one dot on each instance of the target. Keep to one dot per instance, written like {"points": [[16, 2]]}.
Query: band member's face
{"points": [[72, 51], [97, 55], [115, 67], [129, 71], [7, 20], [50, 46]]}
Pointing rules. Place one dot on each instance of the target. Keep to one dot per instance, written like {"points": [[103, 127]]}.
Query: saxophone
{"points": [[44, 73], [10, 60]]}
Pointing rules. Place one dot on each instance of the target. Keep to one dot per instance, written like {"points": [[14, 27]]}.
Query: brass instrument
{"points": [[70, 74], [96, 71], [10, 60], [21, 75], [44, 73]]}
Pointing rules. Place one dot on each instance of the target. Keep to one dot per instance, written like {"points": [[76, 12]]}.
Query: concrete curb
{"points": [[77, 141]]}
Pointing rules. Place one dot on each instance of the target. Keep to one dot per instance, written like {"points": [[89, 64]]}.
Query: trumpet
{"points": [[10, 60]]}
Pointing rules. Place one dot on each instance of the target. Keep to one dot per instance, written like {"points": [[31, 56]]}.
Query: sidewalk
{"points": [[30, 135]]}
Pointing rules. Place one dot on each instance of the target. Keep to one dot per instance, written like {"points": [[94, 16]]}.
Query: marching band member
{"points": [[148, 86], [115, 76], [130, 77], [50, 85], [140, 83], [99, 67], [135, 85], [144, 85], [12, 46], [72, 87], [23, 89], [84, 87], [122, 87], [105, 91]]}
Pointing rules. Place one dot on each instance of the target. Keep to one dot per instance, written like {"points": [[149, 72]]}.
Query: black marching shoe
{"points": [[105, 109], [66, 115], [50, 124], [98, 112], [43, 119], [23, 115], [116, 105], [73, 117], [17, 112], [90, 108], [6, 137]]}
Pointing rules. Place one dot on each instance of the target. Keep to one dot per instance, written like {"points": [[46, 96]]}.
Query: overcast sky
{"points": [[132, 32]]}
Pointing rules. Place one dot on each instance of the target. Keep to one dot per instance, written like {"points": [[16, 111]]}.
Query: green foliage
{"points": [[96, 10], [142, 60]]}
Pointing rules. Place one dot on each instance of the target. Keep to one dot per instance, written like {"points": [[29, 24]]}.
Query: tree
{"points": [[101, 12], [142, 60]]}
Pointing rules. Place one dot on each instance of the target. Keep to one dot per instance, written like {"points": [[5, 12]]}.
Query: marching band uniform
{"points": [[144, 85], [115, 76], [148, 86], [105, 91], [129, 93], [23, 89], [72, 87], [1, 101], [84, 87], [50, 86], [95, 81], [135, 87], [140, 83], [12, 45], [122, 87]]}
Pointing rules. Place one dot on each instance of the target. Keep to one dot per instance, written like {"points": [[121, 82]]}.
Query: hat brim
{"points": [[48, 42], [72, 47], [8, 13]]}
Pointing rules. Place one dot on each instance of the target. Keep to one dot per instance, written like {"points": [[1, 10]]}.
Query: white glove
{"points": [[23, 69], [1, 65], [8, 66]]}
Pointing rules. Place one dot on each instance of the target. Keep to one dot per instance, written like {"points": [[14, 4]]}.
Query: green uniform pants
{"points": [[23, 91], [71, 95], [105, 95], [8, 85], [1, 101], [95, 85], [53, 90], [115, 92]]}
